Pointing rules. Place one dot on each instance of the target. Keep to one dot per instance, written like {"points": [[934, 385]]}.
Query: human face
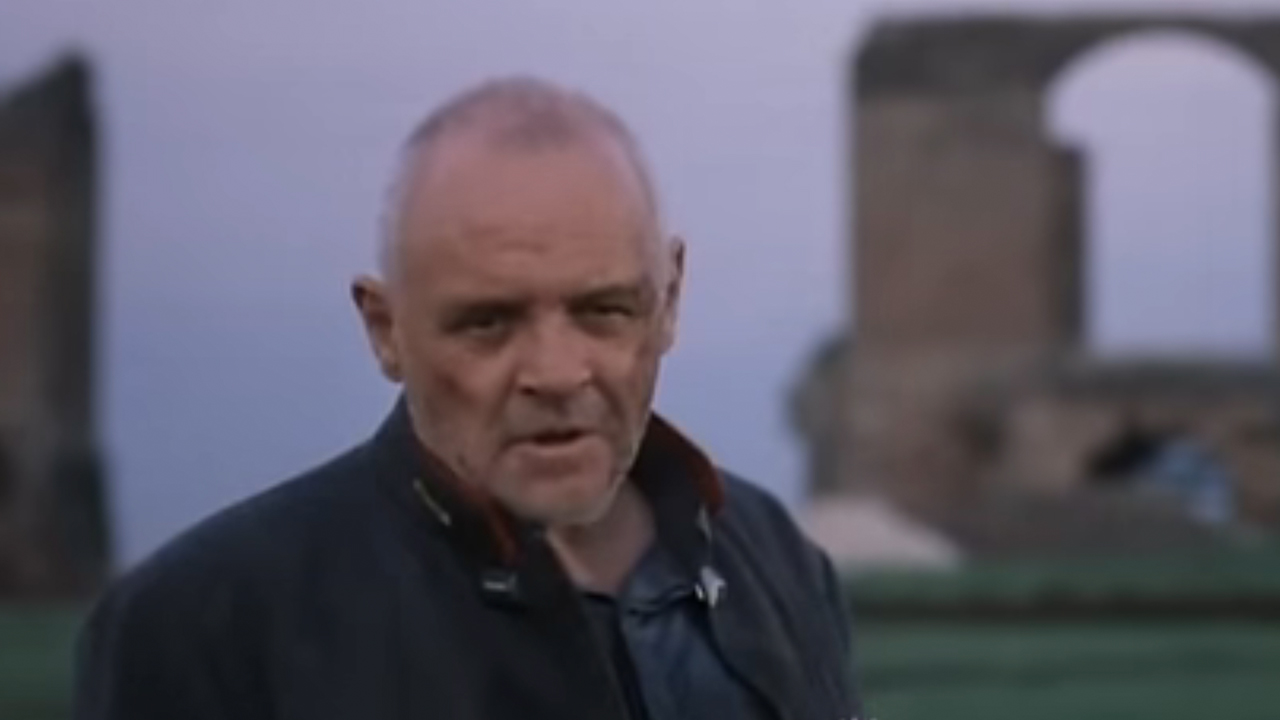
{"points": [[529, 303]]}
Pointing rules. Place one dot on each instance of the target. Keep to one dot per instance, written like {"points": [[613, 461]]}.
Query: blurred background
{"points": [[985, 292]]}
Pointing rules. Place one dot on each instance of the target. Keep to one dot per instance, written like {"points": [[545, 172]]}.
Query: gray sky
{"points": [[247, 143]]}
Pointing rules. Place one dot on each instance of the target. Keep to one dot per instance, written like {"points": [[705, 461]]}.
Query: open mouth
{"points": [[553, 438]]}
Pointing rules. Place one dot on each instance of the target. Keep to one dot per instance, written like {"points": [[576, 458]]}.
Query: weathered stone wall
{"points": [[967, 266], [52, 530], [1054, 429]]}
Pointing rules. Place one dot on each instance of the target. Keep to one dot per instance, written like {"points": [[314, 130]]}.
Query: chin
{"points": [[570, 488], [577, 502]]}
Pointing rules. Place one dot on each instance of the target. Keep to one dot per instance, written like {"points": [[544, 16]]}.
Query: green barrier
{"points": [[1138, 639], [1195, 635], [1149, 671], [36, 648], [1222, 584]]}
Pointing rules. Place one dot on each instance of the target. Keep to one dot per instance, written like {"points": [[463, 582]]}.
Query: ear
{"points": [[373, 302], [674, 282]]}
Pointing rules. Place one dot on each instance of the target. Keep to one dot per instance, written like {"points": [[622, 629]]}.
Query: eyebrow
{"points": [[638, 291], [463, 310]]}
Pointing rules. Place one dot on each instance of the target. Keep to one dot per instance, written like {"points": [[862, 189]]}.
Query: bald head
{"points": [[512, 115], [528, 287]]}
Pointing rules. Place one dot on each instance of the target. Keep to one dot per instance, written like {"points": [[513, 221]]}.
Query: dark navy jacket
{"points": [[376, 587]]}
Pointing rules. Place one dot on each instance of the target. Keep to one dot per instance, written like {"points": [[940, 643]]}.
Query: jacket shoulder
{"points": [[759, 523], [754, 509], [188, 618], [795, 570], [261, 536]]}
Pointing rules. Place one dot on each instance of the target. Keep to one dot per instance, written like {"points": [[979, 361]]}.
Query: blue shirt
{"points": [[655, 632]]}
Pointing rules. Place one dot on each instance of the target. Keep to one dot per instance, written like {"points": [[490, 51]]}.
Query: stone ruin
{"points": [[52, 518], [967, 398]]}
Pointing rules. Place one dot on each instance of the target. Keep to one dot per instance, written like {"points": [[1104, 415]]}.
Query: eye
{"points": [[606, 313], [605, 319], [483, 323], [610, 310], [487, 328]]}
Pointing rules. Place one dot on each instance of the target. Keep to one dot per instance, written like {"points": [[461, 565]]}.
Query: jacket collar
{"points": [[682, 485]]}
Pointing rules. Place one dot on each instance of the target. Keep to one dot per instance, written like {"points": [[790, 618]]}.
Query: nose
{"points": [[554, 363]]}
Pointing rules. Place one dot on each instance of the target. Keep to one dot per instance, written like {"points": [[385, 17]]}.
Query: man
{"points": [[522, 538]]}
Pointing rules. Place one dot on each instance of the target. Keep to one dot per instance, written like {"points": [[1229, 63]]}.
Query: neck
{"points": [[598, 557]]}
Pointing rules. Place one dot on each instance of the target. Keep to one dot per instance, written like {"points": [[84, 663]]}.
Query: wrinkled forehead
{"points": [[579, 200]]}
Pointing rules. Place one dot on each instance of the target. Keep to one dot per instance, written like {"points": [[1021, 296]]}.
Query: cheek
{"points": [[464, 394], [647, 355], [628, 376]]}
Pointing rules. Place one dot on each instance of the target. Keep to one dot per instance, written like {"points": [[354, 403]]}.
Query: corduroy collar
{"points": [[683, 486]]}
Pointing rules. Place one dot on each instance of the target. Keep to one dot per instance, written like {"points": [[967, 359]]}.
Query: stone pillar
{"points": [[965, 272], [52, 524]]}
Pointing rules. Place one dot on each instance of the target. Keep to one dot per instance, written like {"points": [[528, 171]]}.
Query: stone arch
{"points": [[981, 54], [1243, 38], [1252, 107], [926, 87], [966, 265]]}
